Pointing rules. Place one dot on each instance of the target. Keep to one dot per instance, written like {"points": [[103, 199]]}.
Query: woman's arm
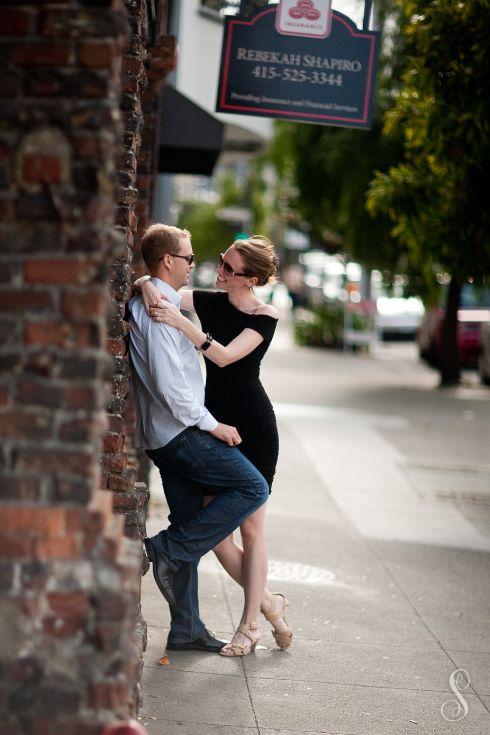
{"points": [[187, 299], [152, 296], [220, 354]]}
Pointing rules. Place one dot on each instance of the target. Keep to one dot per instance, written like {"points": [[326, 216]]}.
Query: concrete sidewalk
{"points": [[388, 594]]}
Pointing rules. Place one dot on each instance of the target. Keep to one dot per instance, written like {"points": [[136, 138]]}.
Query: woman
{"points": [[239, 328]]}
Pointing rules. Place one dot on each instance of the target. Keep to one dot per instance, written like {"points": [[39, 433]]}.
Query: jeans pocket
{"points": [[192, 455]]}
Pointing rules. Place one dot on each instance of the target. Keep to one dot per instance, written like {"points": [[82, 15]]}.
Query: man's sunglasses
{"points": [[189, 258], [229, 270]]}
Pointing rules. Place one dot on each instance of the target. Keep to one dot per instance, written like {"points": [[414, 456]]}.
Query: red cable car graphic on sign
{"points": [[304, 9], [304, 18]]}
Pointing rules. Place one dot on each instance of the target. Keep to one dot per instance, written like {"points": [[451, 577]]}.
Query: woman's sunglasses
{"points": [[229, 270]]}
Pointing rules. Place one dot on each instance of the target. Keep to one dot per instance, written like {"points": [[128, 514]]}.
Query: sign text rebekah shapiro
{"points": [[317, 62]]}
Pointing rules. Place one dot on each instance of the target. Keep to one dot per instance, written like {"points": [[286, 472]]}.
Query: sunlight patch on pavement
{"points": [[284, 571], [303, 410]]}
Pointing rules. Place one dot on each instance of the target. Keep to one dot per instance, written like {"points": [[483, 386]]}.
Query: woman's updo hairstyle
{"points": [[259, 258]]}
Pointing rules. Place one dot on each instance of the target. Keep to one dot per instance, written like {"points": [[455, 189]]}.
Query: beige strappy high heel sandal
{"points": [[250, 631], [283, 639]]}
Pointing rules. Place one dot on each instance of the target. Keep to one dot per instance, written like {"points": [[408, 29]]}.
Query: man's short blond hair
{"points": [[159, 240]]}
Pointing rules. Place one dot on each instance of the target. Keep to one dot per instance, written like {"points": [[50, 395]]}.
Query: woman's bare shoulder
{"points": [[267, 310]]}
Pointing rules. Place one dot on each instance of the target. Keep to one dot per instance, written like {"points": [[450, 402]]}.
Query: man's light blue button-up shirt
{"points": [[169, 386]]}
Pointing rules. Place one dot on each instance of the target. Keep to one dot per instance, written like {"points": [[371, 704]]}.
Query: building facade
{"points": [[80, 84]]}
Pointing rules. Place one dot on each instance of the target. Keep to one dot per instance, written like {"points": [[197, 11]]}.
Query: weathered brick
{"points": [[4, 392], [15, 545], [84, 396], [74, 303], [98, 54], [32, 518], [114, 462], [17, 22], [10, 271], [90, 334], [10, 84], [129, 501], [27, 425], [80, 429], [39, 167], [122, 482], [18, 487], [21, 300], [108, 636], [88, 368], [48, 333], [66, 490], [57, 547], [112, 442], [69, 613], [41, 54], [40, 392], [60, 271], [116, 347], [107, 694], [54, 460], [31, 237]]}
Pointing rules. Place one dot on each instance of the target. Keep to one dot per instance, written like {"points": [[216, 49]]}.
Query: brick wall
{"points": [[74, 80]]}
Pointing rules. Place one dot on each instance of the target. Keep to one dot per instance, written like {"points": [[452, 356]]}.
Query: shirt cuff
{"points": [[207, 422]]}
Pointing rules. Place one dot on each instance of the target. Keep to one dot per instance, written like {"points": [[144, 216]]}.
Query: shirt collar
{"points": [[167, 290]]}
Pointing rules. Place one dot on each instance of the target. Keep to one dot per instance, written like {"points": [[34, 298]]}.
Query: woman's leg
{"points": [[248, 567], [254, 563], [230, 556]]}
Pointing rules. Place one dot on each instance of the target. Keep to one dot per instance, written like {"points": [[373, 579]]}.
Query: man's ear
{"points": [[252, 282], [167, 260]]}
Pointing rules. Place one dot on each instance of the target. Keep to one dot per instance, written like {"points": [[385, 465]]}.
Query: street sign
{"points": [[329, 81]]}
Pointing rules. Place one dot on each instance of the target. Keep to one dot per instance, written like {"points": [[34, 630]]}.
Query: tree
{"points": [[330, 168], [436, 196], [209, 233]]}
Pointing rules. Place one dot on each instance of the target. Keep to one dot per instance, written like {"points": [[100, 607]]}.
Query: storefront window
{"points": [[226, 7], [223, 7]]}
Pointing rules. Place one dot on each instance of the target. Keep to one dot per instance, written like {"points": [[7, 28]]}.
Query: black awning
{"points": [[190, 138]]}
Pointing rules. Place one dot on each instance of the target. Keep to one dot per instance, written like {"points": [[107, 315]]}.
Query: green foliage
{"points": [[331, 169], [436, 197], [230, 193], [321, 327], [209, 234]]}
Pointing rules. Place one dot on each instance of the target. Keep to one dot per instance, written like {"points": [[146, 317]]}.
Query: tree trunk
{"points": [[449, 357]]}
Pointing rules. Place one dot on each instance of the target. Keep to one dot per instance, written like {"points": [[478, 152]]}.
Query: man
{"points": [[195, 454]]}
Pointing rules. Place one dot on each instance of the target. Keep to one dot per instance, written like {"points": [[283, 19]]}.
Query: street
{"points": [[379, 534]]}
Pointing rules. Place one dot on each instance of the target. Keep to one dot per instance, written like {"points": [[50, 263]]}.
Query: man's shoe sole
{"points": [[151, 556], [193, 647]]}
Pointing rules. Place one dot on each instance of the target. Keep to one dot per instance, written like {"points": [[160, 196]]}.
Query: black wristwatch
{"points": [[206, 344]]}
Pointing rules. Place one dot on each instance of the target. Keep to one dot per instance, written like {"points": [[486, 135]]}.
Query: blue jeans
{"points": [[192, 465]]}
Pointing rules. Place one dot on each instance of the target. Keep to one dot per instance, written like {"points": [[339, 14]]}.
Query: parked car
{"points": [[484, 361], [398, 318], [473, 313]]}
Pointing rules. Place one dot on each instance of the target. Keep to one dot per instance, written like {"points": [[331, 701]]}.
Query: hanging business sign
{"points": [[307, 78]]}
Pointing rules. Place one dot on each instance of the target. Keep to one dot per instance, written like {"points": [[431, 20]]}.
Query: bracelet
{"points": [[206, 343]]}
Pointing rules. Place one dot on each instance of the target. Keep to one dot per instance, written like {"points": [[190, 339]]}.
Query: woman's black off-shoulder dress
{"points": [[234, 393]]}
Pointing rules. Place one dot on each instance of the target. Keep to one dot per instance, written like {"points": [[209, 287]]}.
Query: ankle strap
{"points": [[245, 627]]}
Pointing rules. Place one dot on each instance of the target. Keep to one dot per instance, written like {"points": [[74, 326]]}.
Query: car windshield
{"points": [[474, 296]]}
